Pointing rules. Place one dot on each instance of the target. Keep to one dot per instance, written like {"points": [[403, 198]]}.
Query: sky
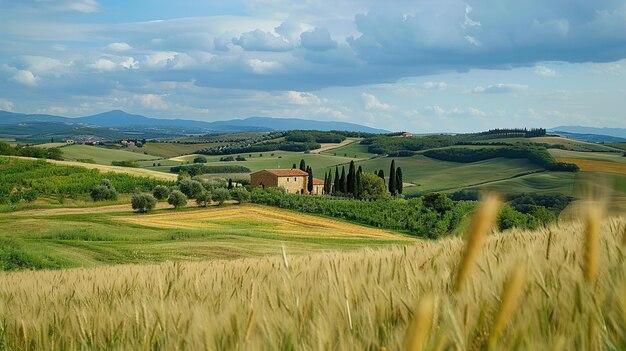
{"points": [[418, 65]]}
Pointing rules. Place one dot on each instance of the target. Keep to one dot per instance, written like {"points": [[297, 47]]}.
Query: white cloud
{"points": [[371, 102], [104, 65], [26, 78], [440, 111], [325, 111], [544, 71], [435, 85], [302, 98], [152, 101], [476, 112], [262, 67], [6, 105], [317, 40], [160, 59], [259, 40], [42, 64], [129, 63], [500, 88], [86, 6], [119, 46]]}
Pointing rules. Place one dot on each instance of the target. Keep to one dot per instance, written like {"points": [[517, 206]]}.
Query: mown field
{"points": [[168, 150], [100, 155], [85, 237], [560, 288]]}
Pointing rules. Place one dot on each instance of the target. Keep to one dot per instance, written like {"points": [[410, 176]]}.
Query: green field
{"points": [[172, 149], [101, 155], [84, 237], [354, 150], [427, 174]]}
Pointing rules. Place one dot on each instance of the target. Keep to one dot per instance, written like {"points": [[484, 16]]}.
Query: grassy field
{"points": [[354, 150], [85, 237], [427, 174], [168, 150], [561, 288], [102, 155], [104, 168], [595, 156]]}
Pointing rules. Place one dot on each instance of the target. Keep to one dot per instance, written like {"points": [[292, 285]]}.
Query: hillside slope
{"points": [[346, 301]]}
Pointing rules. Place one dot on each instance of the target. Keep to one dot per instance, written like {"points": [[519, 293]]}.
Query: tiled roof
{"points": [[285, 172], [317, 181]]}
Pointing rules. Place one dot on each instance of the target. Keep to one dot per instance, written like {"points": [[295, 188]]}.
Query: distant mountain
{"points": [[121, 119], [295, 123], [593, 138], [614, 132]]}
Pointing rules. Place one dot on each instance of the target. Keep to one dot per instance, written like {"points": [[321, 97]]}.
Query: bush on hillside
{"points": [[161, 192], [240, 194], [142, 202], [220, 195], [103, 192], [177, 199]]}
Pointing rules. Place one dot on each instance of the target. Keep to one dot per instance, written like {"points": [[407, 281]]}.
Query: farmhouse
{"points": [[318, 186], [294, 181]]}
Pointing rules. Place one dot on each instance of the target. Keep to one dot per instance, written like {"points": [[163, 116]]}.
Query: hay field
{"points": [[276, 221], [587, 165], [561, 288]]}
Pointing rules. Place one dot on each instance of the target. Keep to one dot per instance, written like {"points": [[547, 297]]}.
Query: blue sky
{"points": [[423, 66]]}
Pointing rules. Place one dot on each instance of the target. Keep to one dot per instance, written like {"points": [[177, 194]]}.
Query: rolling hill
{"points": [[121, 119]]}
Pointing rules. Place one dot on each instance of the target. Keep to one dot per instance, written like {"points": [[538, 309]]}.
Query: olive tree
{"points": [[177, 199], [142, 202]]}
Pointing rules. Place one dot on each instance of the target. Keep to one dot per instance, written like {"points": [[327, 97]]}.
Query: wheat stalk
{"points": [[592, 242], [417, 334], [509, 300], [481, 223]]}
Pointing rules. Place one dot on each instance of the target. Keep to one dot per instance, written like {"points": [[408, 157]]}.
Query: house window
{"points": [[295, 179]]}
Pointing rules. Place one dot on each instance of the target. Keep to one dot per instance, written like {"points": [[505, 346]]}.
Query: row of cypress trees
{"points": [[350, 183]]}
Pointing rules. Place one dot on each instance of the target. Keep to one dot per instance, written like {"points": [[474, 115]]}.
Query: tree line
{"points": [[52, 153]]}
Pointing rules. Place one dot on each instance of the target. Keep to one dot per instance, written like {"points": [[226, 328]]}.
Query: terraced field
{"points": [[61, 238]]}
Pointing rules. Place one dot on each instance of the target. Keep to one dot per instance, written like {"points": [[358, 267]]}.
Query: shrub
{"points": [[161, 192], [227, 158], [104, 191], [191, 188], [132, 164], [240, 194], [142, 202], [200, 159], [240, 158], [220, 195], [177, 199], [204, 199], [29, 195], [373, 187]]}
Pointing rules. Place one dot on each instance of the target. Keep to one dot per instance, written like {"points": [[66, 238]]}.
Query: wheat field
{"points": [[596, 166], [560, 288]]}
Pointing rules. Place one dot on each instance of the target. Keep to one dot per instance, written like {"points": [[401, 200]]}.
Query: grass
{"points": [[104, 168], [85, 237], [515, 298], [427, 174], [595, 156], [102, 155], [354, 150], [172, 149]]}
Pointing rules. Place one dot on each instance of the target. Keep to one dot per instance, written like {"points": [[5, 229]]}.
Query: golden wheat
{"points": [[481, 223], [260, 304]]}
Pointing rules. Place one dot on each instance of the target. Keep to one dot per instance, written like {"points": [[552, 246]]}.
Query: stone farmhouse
{"points": [[294, 181]]}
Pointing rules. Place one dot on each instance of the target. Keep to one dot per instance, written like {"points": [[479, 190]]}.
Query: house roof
{"points": [[317, 181], [285, 172]]}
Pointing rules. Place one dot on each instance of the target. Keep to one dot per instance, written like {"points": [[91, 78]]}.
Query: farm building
{"points": [[293, 180], [318, 186]]}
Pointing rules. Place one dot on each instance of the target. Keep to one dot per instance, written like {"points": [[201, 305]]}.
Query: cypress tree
{"points": [[399, 181], [293, 166], [309, 185], [351, 181], [336, 183], [342, 181], [328, 182], [392, 178], [381, 174], [358, 187], [230, 183], [302, 165]]}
